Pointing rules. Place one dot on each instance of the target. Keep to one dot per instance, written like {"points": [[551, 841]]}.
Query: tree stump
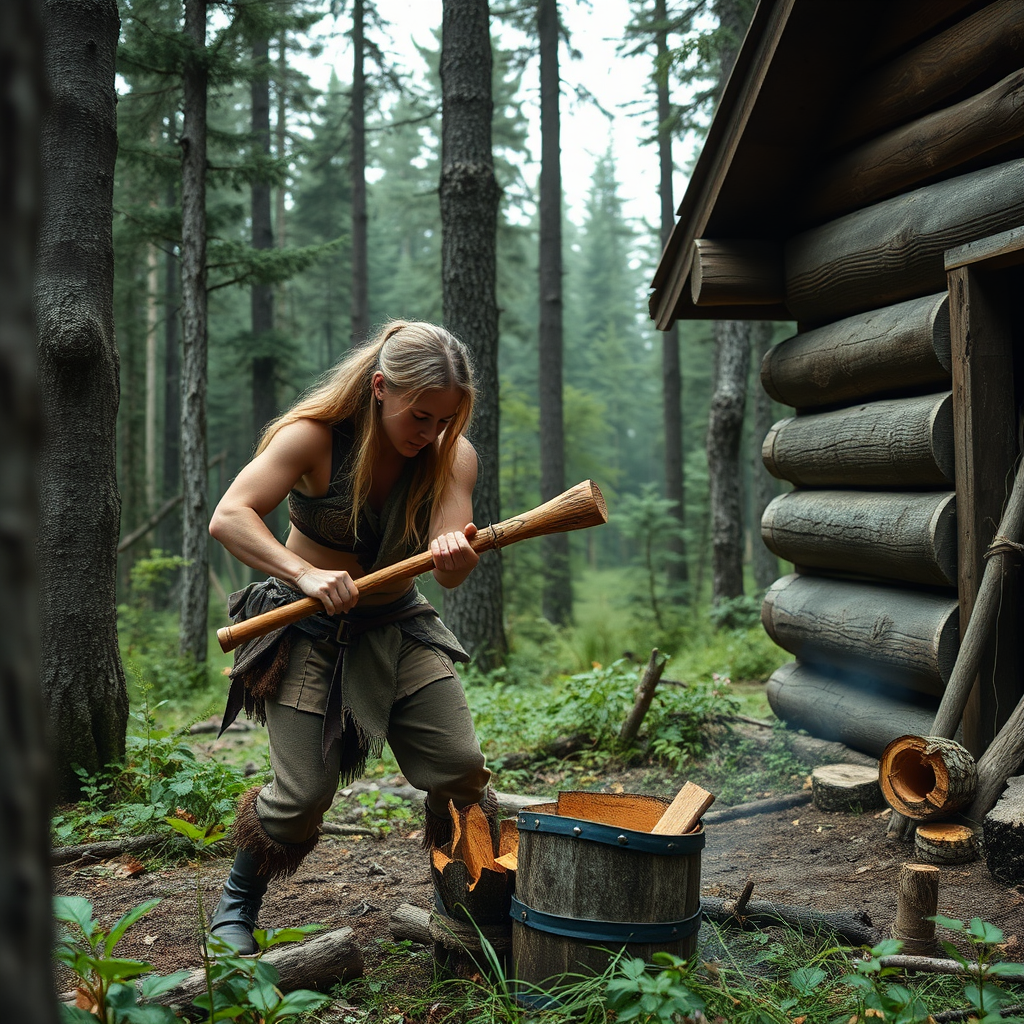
{"points": [[943, 842], [1003, 832], [846, 787], [917, 899], [926, 777]]}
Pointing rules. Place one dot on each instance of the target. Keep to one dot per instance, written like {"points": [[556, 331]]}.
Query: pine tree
{"points": [[79, 505], [469, 223]]}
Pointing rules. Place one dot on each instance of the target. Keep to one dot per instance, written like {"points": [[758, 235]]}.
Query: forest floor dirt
{"points": [[802, 856]]}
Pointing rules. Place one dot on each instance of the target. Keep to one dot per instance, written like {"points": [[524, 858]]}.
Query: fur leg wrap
{"points": [[273, 859]]}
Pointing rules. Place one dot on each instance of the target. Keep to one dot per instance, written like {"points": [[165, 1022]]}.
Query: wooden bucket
{"points": [[592, 882]]}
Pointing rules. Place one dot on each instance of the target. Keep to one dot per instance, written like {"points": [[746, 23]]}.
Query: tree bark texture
{"points": [[1003, 831], [677, 570], [170, 530], [360, 316], [906, 636], [917, 900], [766, 563], [264, 365], [195, 590], [898, 443], [893, 251], [898, 535], [557, 587], [469, 224], [901, 347], [79, 505], [26, 941], [927, 777], [725, 431], [847, 706]]}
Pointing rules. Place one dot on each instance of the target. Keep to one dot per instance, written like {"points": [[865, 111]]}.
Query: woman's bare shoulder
{"points": [[303, 442], [466, 462]]}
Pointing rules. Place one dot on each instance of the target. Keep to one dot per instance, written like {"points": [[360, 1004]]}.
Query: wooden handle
{"points": [[575, 509]]}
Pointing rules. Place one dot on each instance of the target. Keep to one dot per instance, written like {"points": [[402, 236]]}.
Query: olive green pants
{"points": [[430, 732]]}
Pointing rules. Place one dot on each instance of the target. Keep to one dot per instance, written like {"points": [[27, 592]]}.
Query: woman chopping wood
{"points": [[375, 466]]}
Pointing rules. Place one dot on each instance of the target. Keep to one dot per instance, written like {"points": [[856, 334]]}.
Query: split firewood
{"points": [[926, 777], [643, 697], [1003, 831], [684, 812], [853, 925], [917, 899], [845, 787], [945, 842]]}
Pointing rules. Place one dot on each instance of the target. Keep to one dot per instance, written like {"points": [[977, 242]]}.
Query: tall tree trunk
{"points": [[671, 371], [281, 192], [264, 365], [195, 588], [469, 229], [725, 430], [79, 505], [26, 941], [170, 527], [557, 588], [766, 565], [152, 319], [360, 274]]}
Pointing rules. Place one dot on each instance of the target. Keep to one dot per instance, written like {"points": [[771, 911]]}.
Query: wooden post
{"points": [[985, 445], [917, 899]]}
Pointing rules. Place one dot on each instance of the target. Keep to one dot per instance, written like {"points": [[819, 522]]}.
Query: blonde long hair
{"points": [[414, 357]]}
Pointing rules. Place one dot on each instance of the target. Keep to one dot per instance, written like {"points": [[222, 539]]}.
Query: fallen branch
{"points": [[775, 803], [108, 848], [948, 1016], [853, 925], [411, 922], [643, 697], [333, 828], [929, 964]]}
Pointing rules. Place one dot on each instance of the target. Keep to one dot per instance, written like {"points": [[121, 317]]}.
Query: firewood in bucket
{"points": [[681, 816]]}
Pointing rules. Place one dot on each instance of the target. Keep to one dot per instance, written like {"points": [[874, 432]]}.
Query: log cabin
{"points": [[863, 179]]}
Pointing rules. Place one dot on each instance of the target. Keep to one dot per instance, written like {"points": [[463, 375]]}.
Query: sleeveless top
{"points": [[327, 520]]}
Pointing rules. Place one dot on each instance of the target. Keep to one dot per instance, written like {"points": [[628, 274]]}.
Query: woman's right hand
{"points": [[335, 588]]}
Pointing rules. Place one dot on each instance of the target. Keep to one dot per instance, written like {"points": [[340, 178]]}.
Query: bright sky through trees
{"points": [[617, 84]]}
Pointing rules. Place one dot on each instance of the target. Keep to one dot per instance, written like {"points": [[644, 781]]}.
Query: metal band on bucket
{"points": [[611, 835], [604, 931]]}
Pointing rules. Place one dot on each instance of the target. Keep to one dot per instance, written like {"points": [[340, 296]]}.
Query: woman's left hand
{"points": [[452, 552]]}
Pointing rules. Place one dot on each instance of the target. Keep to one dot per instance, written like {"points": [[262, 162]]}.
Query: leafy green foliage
{"points": [[636, 994], [160, 777], [384, 812]]}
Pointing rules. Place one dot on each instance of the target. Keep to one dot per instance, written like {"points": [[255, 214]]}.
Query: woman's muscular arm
{"points": [[451, 527]]}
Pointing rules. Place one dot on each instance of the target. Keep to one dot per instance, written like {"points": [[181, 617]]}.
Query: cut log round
{"points": [[905, 636], [901, 346], [944, 842], [851, 788], [927, 777], [899, 535], [411, 922], [1003, 832], [899, 443]]}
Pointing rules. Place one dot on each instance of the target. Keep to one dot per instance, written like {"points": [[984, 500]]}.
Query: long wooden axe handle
{"points": [[575, 509]]}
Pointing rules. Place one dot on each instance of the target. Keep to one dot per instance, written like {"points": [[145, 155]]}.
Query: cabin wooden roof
{"points": [[813, 79]]}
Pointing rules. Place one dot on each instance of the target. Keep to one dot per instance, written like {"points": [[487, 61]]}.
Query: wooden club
{"points": [[575, 509]]}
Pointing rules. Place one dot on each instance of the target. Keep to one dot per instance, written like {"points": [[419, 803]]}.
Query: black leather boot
{"points": [[235, 916]]}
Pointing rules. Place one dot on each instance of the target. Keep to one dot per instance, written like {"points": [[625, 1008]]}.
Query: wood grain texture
{"points": [[853, 708], [895, 347], [897, 535], [933, 145], [685, 811], [736, 272], [927, 777], [917, 900], [908, 637], [903, 442], [893, 250], [980, 48]]}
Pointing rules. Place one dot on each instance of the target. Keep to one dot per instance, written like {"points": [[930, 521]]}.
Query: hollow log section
{"points": [[927, 777], [1003, 832], [851, 788], [917, 899], [884, 633]]}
